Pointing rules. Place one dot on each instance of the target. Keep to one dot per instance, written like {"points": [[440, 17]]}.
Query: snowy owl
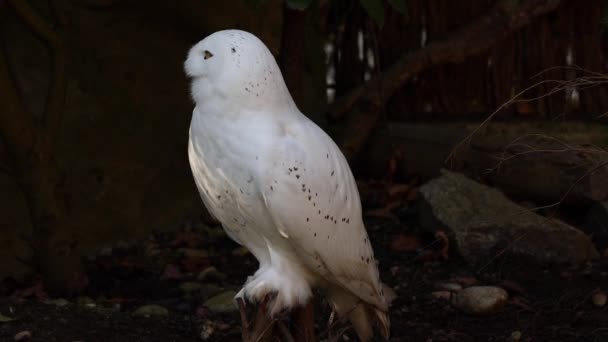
{"points": [[278, 184]]}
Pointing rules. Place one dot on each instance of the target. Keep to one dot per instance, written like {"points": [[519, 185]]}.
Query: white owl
{"points": [[278, 184]]}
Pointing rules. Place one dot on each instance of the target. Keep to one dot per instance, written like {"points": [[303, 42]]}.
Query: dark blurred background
{"points": [[95, 108]]}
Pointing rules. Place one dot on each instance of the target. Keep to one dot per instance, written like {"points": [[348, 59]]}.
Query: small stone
{"points": [[151, 310], [209, 290], [85, 301], [189, 287], [442, 294], [24, 335], [599, 299], [4, 319], [480, 300], [449, 286], [57, 302], [516, 335], [211, 274], [207, 330], [222, 303]]}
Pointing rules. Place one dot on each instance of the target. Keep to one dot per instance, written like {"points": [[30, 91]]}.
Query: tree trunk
{"points": [[30, 144]]}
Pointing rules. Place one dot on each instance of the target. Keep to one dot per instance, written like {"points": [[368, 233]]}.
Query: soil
{"points": [[545, 304]]}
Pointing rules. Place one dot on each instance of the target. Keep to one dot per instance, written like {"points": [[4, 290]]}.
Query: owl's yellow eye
{"points": [[208, 54]]}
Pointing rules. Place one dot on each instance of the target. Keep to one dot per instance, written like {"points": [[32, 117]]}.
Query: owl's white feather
{"points": [[278, 184]]}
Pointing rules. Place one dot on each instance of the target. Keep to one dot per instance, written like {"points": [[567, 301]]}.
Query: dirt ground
{"points": [[545, 304]]}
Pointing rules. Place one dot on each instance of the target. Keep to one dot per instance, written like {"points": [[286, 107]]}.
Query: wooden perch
{"points": [[480, 35]]}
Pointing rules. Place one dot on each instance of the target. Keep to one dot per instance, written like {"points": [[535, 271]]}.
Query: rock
{"points": [[85, 301], [24, 335], [57, 302], [4, 319], [441, 294], [480, 300], [449, 286], [481, 221], [151, 310], [222, 303], [189, 287], [209, 290], [211, 274], [599, 299]]}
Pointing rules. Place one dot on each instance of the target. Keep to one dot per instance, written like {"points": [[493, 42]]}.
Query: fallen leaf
{"points": [[187, 239], [441, 235], [427, 255], [518, 301], [195, 264], [393, 164], [405, 243], [382, 213], [35, 291], [441, 295], [23, 336], [599, 298], [412, 195], [172, 272], [465, 281], [396, 189]]}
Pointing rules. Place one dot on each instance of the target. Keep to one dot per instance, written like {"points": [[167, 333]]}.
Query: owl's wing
{"points": [[312, 198]]}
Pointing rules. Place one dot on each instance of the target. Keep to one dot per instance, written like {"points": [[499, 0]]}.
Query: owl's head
{"points": [[236, 66]]}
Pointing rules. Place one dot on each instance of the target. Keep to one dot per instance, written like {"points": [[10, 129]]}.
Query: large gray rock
{"points": [[483, 222]]}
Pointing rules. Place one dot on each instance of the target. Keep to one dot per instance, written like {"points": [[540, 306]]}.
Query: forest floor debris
{"points": [[191, 267]]}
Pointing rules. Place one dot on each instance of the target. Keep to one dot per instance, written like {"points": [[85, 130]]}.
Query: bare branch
{"points": [[35, 22], [471, 40], [479, 36]]}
